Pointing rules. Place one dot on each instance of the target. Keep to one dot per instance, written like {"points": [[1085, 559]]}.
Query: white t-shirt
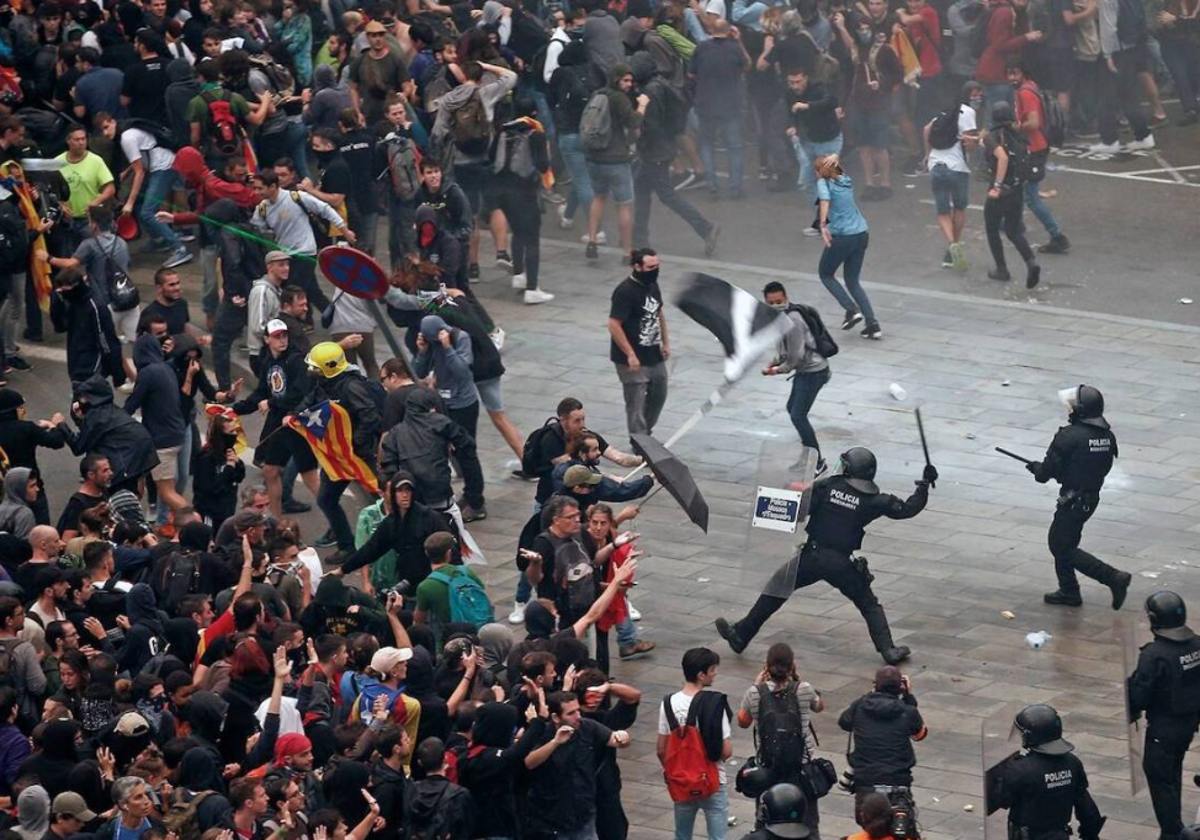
{"points": [[953, 157], [134, 142], [680, 703]]}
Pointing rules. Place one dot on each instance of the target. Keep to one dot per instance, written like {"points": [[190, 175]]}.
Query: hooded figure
{"points": [[53, 763], [492, 763], [146, 629], [20, 438], [420, 445], [216, 480], [181, 90], [330, 612], [452, 365], [497, 643], [199, 776], [87, 780], [330, 97], [92, 344], [625, 120], [156, 394], [209, 188], [107, 430], [33, 813], [569, 87], [437, 246], [343, 790], [16, 514], [205, 713]]}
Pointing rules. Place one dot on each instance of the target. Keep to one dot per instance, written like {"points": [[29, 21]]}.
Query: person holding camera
{"points": [[883, 724]]}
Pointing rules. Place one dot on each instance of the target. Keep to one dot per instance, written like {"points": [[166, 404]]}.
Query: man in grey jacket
{"points": [[446, 352], [798, 356], [24, 668], [264, 301]]}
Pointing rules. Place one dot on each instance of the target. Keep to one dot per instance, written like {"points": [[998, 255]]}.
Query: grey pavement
{"points": [[985, 372]]}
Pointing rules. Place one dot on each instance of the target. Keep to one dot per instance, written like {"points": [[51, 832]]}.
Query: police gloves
{"points": [[1035, 467]]}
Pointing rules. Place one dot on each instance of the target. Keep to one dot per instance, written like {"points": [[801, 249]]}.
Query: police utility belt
{"points": [[1083, 500], [859, 563]]}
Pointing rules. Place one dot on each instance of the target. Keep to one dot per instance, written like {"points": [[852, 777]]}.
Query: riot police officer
{"points": [[1166, 686], [1079, 458], [1042, 785], [842, 506], [780, 814]]}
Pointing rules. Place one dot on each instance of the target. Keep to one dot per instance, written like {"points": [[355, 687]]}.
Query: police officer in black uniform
{"points": [[842, 506], [1079, 458], [1166, 686], [780, 814], [1042, 785]]}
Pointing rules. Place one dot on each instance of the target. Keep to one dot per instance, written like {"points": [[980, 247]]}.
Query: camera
{"points": [[846, 783], [404, 589]]}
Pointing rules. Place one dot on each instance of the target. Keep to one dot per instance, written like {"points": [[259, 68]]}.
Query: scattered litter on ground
{"points": [[1005, 383], [970, 436], [702, 580], [897, 392], [968, 808], [1151, 575], [1036, 640], [1186, 301], [1009, 614], [1171, 568]]}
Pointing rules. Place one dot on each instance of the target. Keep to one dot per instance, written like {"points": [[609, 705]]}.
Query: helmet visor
{"points": [[1069, 397]]}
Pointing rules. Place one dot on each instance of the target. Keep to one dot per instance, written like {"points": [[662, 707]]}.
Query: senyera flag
{"points": [[326, 428], [745, 326]]}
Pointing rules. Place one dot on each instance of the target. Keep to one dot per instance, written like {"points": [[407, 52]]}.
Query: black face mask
{"points": [[647, 277], [324, 158]]}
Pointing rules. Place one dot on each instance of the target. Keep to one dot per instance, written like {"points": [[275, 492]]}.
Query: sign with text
{"points": [[777, 509]]}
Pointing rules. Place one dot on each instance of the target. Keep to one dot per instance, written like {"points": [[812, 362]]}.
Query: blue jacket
{"points": [[452, 365], [156, 394], [609, 489]]}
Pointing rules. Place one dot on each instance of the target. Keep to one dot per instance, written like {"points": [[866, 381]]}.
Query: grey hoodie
{"points": [[16, 517], [262, 306], [491, 90], [451, 365]]}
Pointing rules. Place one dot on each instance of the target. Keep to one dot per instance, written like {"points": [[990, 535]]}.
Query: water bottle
{"points": [[897, 392]]}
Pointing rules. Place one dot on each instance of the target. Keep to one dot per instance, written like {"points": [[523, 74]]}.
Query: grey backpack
{"points": [[595, 125]]}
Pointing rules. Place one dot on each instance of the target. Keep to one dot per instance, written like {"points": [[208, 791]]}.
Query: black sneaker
{"points": [[883, 193], [729, 633], [1058, 244], [948, 260], [592, 252], [326, 540], [339, 557], [17, 363], [524, 476], [872, 332], [1120, 588], [472, 514], [1033, 276], [473, 271], [913, 169], [293, 506], [896, 655], [503, 260], [870, 194], [999, 274], [851, 319], [710, 241], [1058, 598], [686, 180]]}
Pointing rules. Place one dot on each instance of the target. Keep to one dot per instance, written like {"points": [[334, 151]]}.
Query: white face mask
{"points": [[780, 306]]}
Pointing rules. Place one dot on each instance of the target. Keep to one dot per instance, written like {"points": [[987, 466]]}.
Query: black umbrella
{"points": [[674, 475]]}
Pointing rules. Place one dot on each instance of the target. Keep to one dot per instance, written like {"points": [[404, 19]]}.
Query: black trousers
{"points": [[228, 327], [850, 577], [1004, 213], [524, 213], [1123, 90], [654, 179], [1065, 533], [1166, 745]]}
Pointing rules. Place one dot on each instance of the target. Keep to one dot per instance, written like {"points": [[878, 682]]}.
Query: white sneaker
{"points": [[497, 337], [601, 238], [563, 220], [517, 616], [634, 615], [536, 296], [127, 388], [1105, 148], [519, 280], [1145, 143]]}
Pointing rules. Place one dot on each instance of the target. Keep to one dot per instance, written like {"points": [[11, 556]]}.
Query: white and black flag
{"points": [[745, 326]]}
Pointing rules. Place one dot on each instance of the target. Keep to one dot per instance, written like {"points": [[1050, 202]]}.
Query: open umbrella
{"points": [[674, 475]]}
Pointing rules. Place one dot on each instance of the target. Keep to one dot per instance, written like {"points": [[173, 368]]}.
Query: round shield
{"points": [[354, 272]]}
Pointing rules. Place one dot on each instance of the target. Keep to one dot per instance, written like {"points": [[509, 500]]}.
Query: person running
{"points": [[844, 229], [1003, 150]]}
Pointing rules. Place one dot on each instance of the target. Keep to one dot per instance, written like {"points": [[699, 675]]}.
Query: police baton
{"points": [[924, 445], [1013, 455]]}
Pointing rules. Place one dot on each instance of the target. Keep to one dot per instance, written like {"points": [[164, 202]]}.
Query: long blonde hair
{"points": [[828, 167]]}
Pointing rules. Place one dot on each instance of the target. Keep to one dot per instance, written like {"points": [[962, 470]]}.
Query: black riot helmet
{"points": [[782, 809], [1041, 730], [753, 780], [1168, 616], [1086, 405], [858, 466]]}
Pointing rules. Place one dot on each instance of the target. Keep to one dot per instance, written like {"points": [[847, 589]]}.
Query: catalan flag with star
{"points": [[326, 427]]}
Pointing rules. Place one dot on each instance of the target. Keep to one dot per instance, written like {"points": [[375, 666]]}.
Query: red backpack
{"points": [[689, 772], [225, 133]]}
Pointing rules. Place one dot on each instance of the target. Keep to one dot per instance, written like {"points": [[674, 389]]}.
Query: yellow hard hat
{"points": [[327, 357]]}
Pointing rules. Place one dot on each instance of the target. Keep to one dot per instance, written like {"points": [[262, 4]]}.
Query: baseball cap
{"points": [[277, 256], [131, 724], [375, 26], [73, 805], [715, 7], [276, 326], [387, 658], [579, 474], [246, 519]]}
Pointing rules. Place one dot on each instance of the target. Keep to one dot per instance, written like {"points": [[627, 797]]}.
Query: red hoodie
{"points": [[190, 165], [1002, 39]]}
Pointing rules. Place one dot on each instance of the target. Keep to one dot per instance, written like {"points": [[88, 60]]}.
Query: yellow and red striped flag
{"points": [[326, 427]]}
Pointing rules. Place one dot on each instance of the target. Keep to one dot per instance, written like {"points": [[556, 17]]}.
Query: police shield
{"points": [[999, 741], [1136, 741], [778, 511]]}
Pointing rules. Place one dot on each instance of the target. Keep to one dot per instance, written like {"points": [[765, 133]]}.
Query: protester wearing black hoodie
{"points": [[198, 776], [20, 439], [438, 247], [437, 801], [107, 430], [92, 344], [493, 763], [884, 724], [145, 635], [52, 764], [420, 446], [156, 394]]}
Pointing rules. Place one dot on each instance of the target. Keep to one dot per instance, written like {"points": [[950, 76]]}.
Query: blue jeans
{"points": [[581, 180], [716, 815], [626, 633], [328, 497], [847, 252], [1033, 200], [157, 185], [807, 153], [729, 129], [805, 387]]}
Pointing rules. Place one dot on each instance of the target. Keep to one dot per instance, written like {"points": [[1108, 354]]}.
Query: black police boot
{"points": [[1120, 588], [729, 633], [1059, 598], [895, 655]]}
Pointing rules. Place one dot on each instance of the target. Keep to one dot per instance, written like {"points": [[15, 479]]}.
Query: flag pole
{"points": [[714, 399]]}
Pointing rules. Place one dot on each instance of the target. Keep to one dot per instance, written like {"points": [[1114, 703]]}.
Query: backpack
{"points": [[943, 130], [1054, 119], [163, 136], [434, 85], [468, 599], [14, 238], [530, 463], [176, 576], [123, 295], [161, 658], [979, 34], [278, 76], [225, 133], [595, 124], [181, 818], [825, 345], [378, 395], [403, 166], [572, 93], [514, 152], [1022, 166], [537, 67], [7, 677], [575, 574], [470, 126], [780, 732], [689, 773]]}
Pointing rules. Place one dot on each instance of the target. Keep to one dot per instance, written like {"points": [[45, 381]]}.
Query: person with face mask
{"points": [[1079, 457], [640, 347], [437, 246], [92, 345], [20, 439]]}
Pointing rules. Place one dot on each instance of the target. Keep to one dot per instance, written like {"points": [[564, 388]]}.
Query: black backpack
{"points": [[979, 34], [825, 345], [14, 237], [176, 576], [779, 733], [163, 136], [1022, 166], [943, 131], [530, 455]]}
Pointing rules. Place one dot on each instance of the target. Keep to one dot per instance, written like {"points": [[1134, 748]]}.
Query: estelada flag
{"points": [[326, 427]]}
